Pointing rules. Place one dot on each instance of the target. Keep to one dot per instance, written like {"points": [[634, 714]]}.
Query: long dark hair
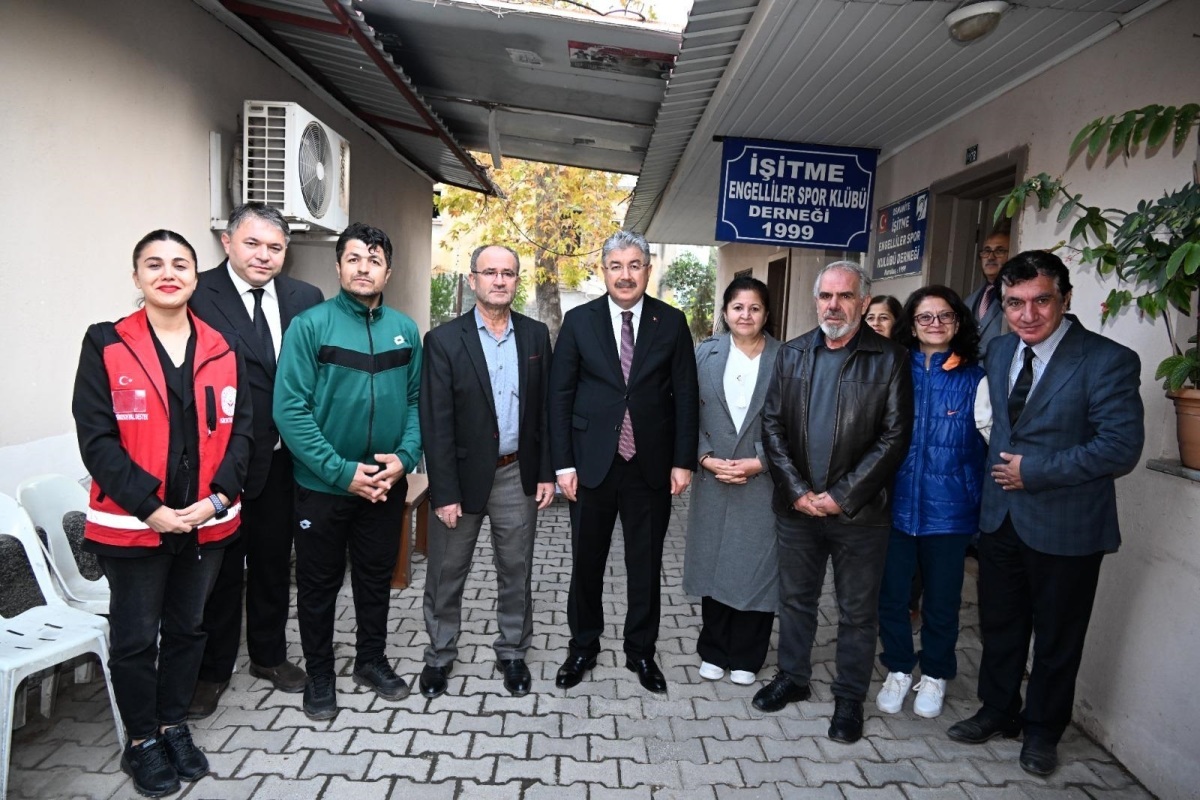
{"points": [[965, 343], [893, 306], [162, 235]]}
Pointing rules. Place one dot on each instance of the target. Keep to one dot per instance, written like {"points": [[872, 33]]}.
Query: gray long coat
{"points": [[731, 553]]}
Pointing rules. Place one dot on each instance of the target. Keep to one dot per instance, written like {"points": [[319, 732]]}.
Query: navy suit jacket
{"points": [[992, 324], [1082, 427], [217, 302], [588, 394], [459, 431]]}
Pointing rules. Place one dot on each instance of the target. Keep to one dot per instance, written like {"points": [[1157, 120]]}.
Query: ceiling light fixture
{"points": [[974, 20]]}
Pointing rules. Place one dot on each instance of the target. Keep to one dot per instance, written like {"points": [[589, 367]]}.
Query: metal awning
{"points": [[870, 73]]}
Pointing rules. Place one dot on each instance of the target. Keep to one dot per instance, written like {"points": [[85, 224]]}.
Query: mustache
{"points": [[626, 283]]}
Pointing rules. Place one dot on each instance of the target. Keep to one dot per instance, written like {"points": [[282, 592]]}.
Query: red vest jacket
{"points": [[139, 395]]}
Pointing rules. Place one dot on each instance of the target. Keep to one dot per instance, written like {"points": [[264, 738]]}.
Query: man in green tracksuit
{"points": [[346, 406]]}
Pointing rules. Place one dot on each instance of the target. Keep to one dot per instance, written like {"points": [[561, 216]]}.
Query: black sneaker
{"points": [[320, 699], [147, 763], [189, 762], [379, 676]]}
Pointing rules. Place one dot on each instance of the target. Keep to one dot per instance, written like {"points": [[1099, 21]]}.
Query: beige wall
{"points": [[105, 121], [1135, 691]]}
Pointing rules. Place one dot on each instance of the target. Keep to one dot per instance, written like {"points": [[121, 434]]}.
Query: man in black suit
{"points": [[1068, 421], [624, 411], [252, 304], [483, 425]]}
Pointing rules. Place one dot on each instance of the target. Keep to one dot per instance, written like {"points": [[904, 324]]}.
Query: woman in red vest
{"points": [[165, 432]]}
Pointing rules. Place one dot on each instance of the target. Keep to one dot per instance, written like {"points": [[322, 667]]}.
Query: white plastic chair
{"points": [[43, 636], [48, 498]]}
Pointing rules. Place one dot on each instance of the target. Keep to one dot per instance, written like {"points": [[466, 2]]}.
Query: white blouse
{"points": [[741, 374]]}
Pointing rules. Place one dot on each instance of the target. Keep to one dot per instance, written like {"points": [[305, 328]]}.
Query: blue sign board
{"points": [[900, 237], [796, 195]]}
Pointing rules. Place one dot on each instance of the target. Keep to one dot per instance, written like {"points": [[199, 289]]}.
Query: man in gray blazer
{"points": [[1068, 422], [984, 302]]}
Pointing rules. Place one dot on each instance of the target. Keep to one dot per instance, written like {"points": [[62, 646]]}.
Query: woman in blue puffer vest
{"points": [[935, 509]]}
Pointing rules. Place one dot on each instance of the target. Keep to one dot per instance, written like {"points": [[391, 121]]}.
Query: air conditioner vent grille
{"points": [[266, 156]]}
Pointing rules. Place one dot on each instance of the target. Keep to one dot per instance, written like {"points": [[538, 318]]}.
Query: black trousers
{"points": [[155, 642], [262, 555], [328, 525], [1022, 591], [644, 514], [734, 639]]}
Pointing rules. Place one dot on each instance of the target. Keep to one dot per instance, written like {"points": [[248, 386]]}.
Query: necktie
{"points": [[625, 445], [985, 301], [1020, 390], [262, 329]]}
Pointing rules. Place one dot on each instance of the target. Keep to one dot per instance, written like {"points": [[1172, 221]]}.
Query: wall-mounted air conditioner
{"points": [[294, 162]]}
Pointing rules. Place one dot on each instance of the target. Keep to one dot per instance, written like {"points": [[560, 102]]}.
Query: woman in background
{"points": [[165, 433], [883, 315], [731, 562], [935, 506]]}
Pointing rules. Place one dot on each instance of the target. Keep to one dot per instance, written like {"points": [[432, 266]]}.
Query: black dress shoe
{"points": [[205, 697], [516, 676], [185, 757], [286, 677], [571, 672], [433, 680], [847, 722], [151, 770], [983, 726], [779, 692], [649, 675], [1039, 756], [379, 676]]}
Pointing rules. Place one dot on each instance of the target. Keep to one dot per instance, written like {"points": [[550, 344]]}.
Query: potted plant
{"points": [[1153, 250]]}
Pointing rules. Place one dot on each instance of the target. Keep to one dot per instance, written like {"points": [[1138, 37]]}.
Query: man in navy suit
{"points": [[624, 415], [483, 425], [252, 304], [984, 302], [1068, 422]]}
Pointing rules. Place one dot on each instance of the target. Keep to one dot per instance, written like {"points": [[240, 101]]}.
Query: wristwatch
{"points": [[218, 505]]}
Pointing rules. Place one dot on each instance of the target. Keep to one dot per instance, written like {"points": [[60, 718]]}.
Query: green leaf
{"points": [[1161, 127], [1011, 207], [1192, 262], [1083, 135], [1184, 121], [1098, 226], [1096, 141], [1121, 133], [1176, 259], [1079, 228], [1067, 208]]}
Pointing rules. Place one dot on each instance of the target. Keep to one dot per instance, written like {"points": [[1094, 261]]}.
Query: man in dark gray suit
{"points": [[984, 302], [483, 423], [1068, 422], [248, 300]]}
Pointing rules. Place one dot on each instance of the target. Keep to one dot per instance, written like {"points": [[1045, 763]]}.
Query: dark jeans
{"points": [[326, 525], [938, 560], [263, 555], [1023, 591], [806, 544], [734, 639], [644, 513], [162, 594]]}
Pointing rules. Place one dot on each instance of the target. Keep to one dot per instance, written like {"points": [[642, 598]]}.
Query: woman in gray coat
{"points": [[730, 562]]}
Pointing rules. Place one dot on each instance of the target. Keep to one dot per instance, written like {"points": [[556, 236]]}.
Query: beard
{"points": [[833, 330]]}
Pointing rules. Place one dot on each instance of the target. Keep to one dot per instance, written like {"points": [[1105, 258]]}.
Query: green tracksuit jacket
{"points": [[345, 389]]}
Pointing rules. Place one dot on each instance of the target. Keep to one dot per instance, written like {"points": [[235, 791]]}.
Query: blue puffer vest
{"points": [[939, 485]]}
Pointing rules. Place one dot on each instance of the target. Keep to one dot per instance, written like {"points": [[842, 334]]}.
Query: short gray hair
{"points": [[622, 239], [266, 213], [864, 280], [479, 251]]}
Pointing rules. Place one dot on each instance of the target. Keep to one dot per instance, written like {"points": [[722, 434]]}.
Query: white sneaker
{"points": [[891, 695], [711, 672], [741, 677], [930, 693]]}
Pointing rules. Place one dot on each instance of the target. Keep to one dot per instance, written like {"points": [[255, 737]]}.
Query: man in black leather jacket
{"points": [[836, 426]]}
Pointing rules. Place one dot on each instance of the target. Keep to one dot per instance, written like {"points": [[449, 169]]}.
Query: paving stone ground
{"points": [[607, 738]]}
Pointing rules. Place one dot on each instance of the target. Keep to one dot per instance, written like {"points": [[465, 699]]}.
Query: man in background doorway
{"points": [[984, 302]]}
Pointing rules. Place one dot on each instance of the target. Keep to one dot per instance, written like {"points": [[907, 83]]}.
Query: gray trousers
{"points": [[513, 517]]}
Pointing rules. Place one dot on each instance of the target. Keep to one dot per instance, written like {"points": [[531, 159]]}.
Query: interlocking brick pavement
{"points": [[607, 738]]}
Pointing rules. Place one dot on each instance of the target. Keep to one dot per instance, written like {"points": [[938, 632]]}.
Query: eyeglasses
{"points": [[634, 268], [988, 252], [927, 319], [492, 274]]}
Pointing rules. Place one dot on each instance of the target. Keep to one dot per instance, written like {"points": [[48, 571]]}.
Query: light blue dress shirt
{"points": [[502, 362]]}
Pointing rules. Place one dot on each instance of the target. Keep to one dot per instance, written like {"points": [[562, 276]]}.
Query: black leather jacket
{"points": [[873, 426]]}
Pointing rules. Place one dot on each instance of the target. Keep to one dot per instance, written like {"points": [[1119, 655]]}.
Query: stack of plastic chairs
{"points": [[49, 498], [43, 636]]}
